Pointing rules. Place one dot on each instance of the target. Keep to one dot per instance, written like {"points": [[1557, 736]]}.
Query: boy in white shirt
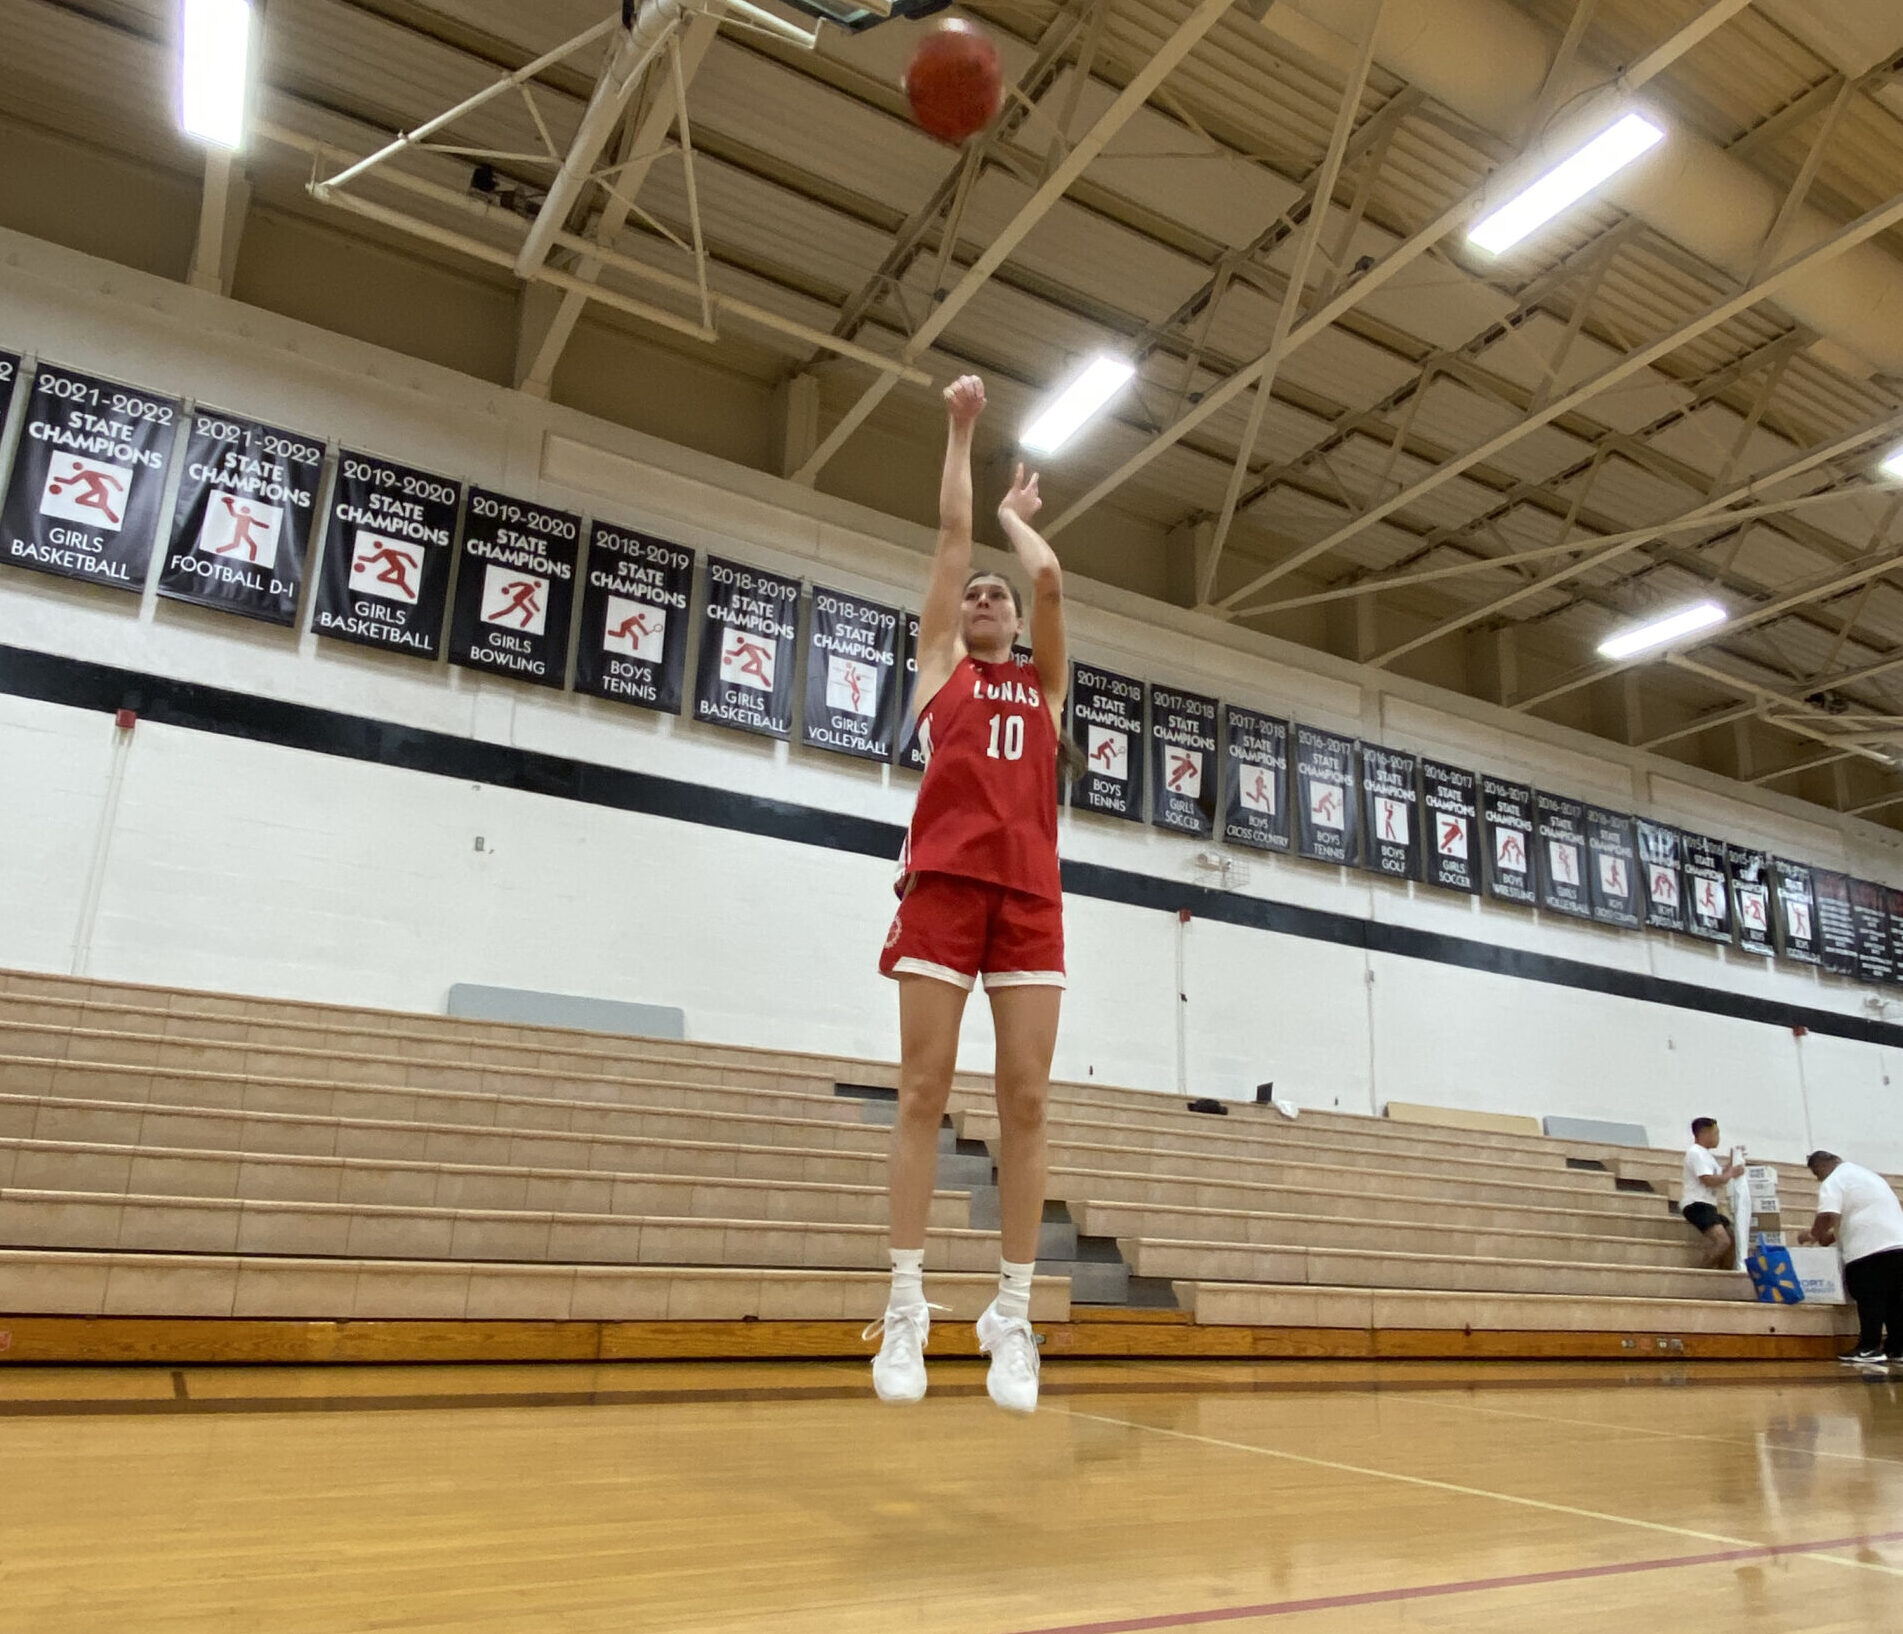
{"points": [[1704, 1191], [1857, 1208]]}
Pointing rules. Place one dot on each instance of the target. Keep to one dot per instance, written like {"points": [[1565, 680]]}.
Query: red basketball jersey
{"points": [[987, 808]]}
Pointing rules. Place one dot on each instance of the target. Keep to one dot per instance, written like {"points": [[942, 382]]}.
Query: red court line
{"points": [[1476, 1585]]}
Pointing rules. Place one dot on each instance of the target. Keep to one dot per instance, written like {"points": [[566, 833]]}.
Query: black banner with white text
{"points": [[1836, 922], [1613, 849], [1559, 854], [246, 511], [1450, 825], [1661, 868], [515, 589], [748, 649], [1795, 907], [910, 753], [1870, 910], [637, 605], [1390, 813], [1506, 815], [1707, 888], [1182, 761], [1327, 814], [1106, 723], [852, 676], [388, 549], [88, 479], [1255, 780], [9, 378], [1750, 873]]}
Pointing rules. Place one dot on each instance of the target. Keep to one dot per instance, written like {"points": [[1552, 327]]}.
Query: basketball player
{"points": [[979, 896]]}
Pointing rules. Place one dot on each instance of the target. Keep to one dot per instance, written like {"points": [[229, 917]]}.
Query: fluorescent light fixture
{"points": [[1892, 465], [215, 70], [1068, 413], [1608, 152], [1656, 632]]}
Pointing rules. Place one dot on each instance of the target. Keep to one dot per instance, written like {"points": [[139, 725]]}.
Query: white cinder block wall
{"points": [[182, 857]]}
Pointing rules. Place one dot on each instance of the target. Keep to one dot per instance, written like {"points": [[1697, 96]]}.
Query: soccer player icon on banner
{"points": [[1186, 773]]}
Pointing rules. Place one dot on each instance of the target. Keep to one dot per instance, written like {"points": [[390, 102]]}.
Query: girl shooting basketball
{"points": [[979, 897]]}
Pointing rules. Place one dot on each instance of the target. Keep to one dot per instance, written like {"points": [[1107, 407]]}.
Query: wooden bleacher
{"points": [[191, 1176]]}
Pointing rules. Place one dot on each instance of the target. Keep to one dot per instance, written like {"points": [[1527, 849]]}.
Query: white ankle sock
{"points": [[908, 1278], [1014, 1289]]}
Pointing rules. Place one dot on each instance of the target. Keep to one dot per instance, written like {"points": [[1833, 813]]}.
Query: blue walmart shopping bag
{"points": [[1773, 1274]]}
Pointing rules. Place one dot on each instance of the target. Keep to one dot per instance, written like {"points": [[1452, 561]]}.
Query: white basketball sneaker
{"points": [[1012, 1347], [898, 1371]]}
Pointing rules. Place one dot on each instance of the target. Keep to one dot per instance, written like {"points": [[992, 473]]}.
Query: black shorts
{"points": [[1703, 1216]]}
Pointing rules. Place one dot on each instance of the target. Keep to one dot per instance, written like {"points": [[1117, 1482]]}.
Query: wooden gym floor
{"points": [[1300, 1498]]}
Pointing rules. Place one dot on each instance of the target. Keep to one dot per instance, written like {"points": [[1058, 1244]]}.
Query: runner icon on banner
{"points": [[1506, 816], [1450, 811], [1750, 873], [635, 606], [387, 555], [1182, 761], [749, 631], [1255, 780], [1707, 889], [852, 671], [1327, 816], [87, 480], [1613, 849], [515, 589], [1390, 812], [241, 529], [1794, 906], [1106, 722]]}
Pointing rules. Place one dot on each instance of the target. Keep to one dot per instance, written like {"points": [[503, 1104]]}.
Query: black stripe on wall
{"points": [[82, 685]]}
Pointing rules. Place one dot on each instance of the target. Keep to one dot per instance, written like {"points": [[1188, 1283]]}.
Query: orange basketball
{"points": [[954, 81]]}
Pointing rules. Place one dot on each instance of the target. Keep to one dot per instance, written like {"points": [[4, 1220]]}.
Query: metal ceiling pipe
{"points": [[1489, 61]]}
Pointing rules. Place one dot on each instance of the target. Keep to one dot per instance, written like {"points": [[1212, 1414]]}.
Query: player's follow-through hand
{"points": [[1023, 501], [965, 399]]}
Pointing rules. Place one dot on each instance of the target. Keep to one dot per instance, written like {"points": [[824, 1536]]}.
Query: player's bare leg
{"points": [[1025, 1020], [930, 1012]]}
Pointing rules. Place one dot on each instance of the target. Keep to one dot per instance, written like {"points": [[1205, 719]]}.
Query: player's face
{"points": [[989, 619], [1708, 1138]]}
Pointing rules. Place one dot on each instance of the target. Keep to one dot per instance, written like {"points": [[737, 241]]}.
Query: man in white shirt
{"points": [[1705, 1190], [1857, 1208]]}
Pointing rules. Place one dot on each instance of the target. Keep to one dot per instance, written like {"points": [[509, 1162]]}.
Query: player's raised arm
{"points": [[1050, 648], [938, 620]]}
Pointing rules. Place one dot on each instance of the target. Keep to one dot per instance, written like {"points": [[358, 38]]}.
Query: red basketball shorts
{"points": [[957, 929]]}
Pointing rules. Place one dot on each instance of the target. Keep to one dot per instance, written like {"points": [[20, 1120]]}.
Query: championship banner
{"points": [[1795, 910], [1894, 898], [1750, 873], [87, 480], [910, 753], [749, 627], [1391, 812], [1255, 780], [1659, 865], [1506, 821], [1450, 812], [852, 676], [1559, 854], [9, 378], [1836, 922], [385, 578], [241, 529], [1870, 908], [1182, 761], [1707, 889], [1326, 811], [636, 601], [515, 589], [1613, 849], [1106, 722]]}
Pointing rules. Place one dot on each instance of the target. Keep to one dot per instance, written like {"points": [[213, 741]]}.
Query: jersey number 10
{"points": [[1009, 729]]}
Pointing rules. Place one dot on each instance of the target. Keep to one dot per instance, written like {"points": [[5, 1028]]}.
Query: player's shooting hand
{"points": [[1023, 501], [965, 400]]}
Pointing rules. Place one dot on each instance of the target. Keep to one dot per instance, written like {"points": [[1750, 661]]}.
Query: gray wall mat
{"points": [[523, 1008]]}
